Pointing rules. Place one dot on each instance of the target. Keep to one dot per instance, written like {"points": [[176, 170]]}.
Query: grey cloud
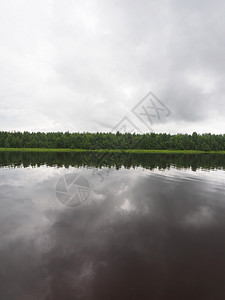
{"points": [[61, 61]]}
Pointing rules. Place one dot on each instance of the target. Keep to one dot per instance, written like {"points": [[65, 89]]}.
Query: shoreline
{"points": [[110, 150]]}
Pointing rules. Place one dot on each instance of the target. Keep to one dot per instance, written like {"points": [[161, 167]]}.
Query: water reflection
{"points": [[117, 160], [143, 234]]}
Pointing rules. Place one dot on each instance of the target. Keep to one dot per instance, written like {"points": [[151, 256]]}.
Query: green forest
{"points": [[95, 141]]}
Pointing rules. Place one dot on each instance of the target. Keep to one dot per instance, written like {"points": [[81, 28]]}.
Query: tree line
{"points": [[99, 140]]}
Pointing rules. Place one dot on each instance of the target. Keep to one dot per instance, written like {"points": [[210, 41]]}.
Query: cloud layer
{"points": [[82, 66]]}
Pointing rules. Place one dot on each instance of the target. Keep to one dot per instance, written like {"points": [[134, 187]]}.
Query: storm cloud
{"points": [[83, 65]]}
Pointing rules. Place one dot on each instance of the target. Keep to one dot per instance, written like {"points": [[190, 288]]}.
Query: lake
{"points": [[112, 226]]}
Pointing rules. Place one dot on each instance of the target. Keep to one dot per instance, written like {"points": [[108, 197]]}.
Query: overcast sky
{"points": [[83, 65]]}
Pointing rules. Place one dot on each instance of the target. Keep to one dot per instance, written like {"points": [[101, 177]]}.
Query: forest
{"points": [[94, 141]]}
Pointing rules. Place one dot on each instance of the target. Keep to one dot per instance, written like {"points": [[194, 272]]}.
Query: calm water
{"points": [[82, 226]]}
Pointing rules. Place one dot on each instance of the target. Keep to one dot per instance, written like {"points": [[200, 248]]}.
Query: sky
{"points": [[87, 66]]}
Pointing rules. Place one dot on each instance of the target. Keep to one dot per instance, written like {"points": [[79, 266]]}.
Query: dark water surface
{"points": [[144, 226]]}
